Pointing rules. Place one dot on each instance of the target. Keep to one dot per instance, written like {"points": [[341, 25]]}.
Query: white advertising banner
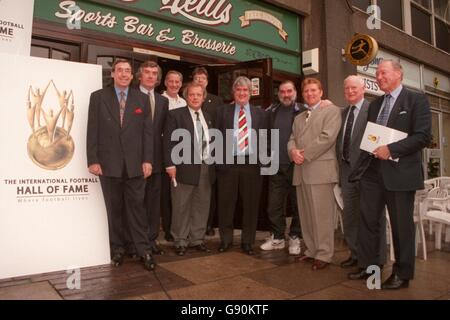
{"points": [[16, 23], [52, 214]]}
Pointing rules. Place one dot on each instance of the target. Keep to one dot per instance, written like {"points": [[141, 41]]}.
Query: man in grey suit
{"points": [[354, 120], [149, 76], [192, 177], [120, 151], [312, 148]]}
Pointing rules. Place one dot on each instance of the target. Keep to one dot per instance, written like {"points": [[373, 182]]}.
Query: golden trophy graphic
{"points": [[50, 117]]}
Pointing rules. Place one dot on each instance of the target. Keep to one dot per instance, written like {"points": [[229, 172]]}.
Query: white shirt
{"points": [[205, 129], [175, 103]]}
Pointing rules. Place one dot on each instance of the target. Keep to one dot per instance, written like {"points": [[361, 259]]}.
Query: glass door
{"points": [[434, 162]]}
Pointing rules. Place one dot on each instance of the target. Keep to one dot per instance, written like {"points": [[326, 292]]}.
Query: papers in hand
{"points": [[377, 135]]}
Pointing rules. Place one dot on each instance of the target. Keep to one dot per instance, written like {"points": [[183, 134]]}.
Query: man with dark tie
{"points": [[241, 177], [211, 104], [354, 120], [120, 151], [385, 182], [149, 75], [191, 174]]}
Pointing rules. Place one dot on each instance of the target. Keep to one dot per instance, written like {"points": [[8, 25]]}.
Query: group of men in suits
{"points": [[130, 147]]}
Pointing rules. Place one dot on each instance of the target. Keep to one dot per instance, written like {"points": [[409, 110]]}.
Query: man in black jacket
{"points": [[392, 183], [120, 151], [281, 116]]}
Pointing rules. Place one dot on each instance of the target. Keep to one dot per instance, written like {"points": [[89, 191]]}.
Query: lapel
{"points": [[254, 117], [188, 123], [229, 116], [340, 139], [158, 104], [361, 121], [129, 109], [397, 107], [113, 105]]}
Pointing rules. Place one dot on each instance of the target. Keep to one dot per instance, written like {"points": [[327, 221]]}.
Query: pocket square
{"points": [[403, 112]]}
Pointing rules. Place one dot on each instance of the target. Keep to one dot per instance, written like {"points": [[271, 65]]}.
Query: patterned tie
{"points": [[122, 103], [243, 131], [348, 134], [383, 117], [308, 114], [152, 103], [201, 139]]}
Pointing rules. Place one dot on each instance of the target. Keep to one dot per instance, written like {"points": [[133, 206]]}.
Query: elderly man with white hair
{"points": [[354, 120]]}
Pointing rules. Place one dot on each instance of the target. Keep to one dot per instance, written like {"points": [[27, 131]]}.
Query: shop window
{"points": [[421, 24], [442, 9], [57, 50], [391, 12], [423, 3], [442, 31], [40, 52], [361, 4]]}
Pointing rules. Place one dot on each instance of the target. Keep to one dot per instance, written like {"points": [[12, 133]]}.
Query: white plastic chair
{"points": [[339, 207], [439, 213]]}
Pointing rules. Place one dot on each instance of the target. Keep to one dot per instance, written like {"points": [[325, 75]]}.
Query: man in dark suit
{"points": [[391, 183], [149, 76], [211, 104], [191, 176], [281, 117], [120, 152], [354, 120], [242, 177]]}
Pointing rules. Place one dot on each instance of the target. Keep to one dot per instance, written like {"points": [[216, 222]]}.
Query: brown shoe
{"points": [[318, 264], [305, 258]]}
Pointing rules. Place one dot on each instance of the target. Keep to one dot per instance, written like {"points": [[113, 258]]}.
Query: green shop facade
{"points": [[228, 37]]}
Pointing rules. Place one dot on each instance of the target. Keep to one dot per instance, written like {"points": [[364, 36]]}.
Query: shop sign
{"points": [[79, 15]]}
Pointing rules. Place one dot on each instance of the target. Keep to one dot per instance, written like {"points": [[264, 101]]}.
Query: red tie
{"points": [[243, 131]]}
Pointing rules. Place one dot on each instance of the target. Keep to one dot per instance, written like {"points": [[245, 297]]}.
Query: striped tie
{"points": [[383, 117], [122, 103], [243, 131]]}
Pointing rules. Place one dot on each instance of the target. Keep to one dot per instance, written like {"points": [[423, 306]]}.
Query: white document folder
{"points": [[377, 135]]}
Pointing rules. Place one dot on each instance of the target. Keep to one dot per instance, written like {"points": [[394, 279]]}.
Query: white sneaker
{"points": [[294, 246], [272, 244]]}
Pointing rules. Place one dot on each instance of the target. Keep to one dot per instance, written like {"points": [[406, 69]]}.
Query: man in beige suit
{"points": [[312, 148]]}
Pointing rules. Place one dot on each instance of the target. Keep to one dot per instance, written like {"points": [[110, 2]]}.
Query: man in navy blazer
{"points": [[242, 177], [120, 151], [149, 76], [387, 182]]}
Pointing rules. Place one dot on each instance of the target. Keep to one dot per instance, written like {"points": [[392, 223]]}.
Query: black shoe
{"points": [[394, 282], [361, 274], [117, 259], [181, 251], [210, 232], [224, 247], [247, 248], [157, 250], [350, 262], [168, 237], [203, 248], [149, 263]]}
